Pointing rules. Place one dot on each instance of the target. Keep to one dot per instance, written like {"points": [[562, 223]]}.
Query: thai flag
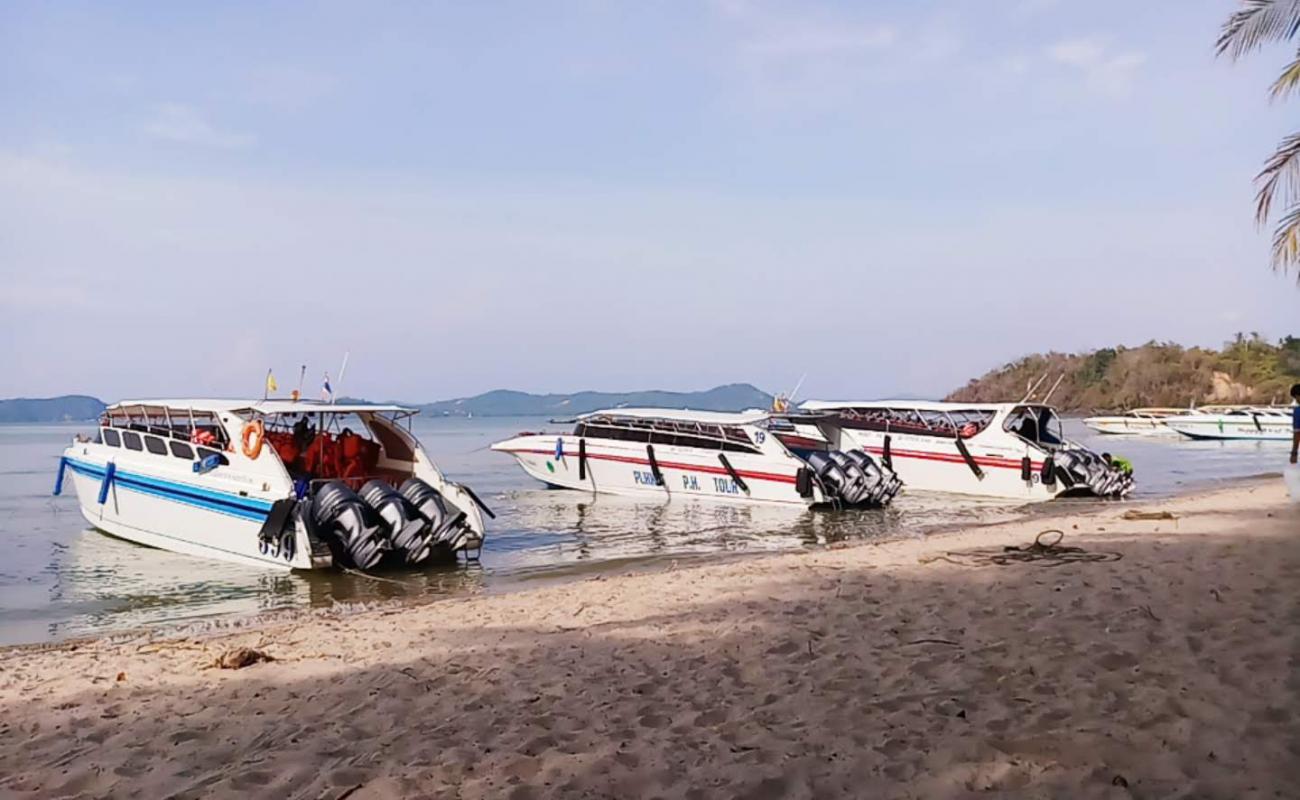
{"points": [[326, 393]]}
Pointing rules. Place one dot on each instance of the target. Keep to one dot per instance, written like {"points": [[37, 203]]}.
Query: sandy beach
{"points": [[886, 670]]}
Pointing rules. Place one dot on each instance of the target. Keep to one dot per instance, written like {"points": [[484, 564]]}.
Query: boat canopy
{"points": [[265, 407], [913, 405], [683, 415]]}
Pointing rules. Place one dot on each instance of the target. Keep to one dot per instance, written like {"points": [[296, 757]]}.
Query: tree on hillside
{"points": [[1256, 23]]}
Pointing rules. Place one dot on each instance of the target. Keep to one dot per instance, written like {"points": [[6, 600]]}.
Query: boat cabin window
{"points": [[155, 445], [111, 438], [1036, 424], [132, 441], [676, 433], [949, 424], [182, 424], [182, 450]]}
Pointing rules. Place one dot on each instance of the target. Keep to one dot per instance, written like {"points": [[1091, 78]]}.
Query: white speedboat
{"points": [[276, 483], [1011, 450], [1263, 422], [668, 453], [1137, 422]]}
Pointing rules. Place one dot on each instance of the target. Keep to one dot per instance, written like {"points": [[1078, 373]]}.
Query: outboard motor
{"points": [[339, 513], [882, 482], [445, 521], [408, 531], [855, 490], [854, 478], [1084, 469]]}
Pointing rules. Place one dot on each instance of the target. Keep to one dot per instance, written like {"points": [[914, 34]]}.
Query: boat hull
{"points": [[185, 517], [625, 469], [1128, 427], [1245, 429]]}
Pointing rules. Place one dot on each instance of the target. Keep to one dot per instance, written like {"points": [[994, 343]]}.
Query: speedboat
{"points": [[1242, 422], [1008, 450], [271, 483], [1136, 422], [740, 457]]}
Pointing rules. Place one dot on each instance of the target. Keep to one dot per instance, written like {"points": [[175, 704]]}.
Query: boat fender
{"points": [[252, 438], [654, 465], [735, 476], [582, 459], [110, 475], [58, 480], [970, 461], [279, 516], [478, 502], [803, 482], [1258, 427], [1049, 471], [886, 455], [1026, 469]]}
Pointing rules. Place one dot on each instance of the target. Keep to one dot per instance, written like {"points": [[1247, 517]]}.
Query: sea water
{"points": [[60, 578]]}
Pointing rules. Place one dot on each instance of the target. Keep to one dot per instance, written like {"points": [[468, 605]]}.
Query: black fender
{"points": [[732, 472], [970, 461]]}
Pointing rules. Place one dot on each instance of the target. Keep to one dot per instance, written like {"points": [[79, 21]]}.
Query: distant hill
{"points": [[68, 408], [503, 402], [1246, 370]]}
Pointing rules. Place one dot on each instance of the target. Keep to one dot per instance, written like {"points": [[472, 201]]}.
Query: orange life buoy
{"points": [[257, 431]]}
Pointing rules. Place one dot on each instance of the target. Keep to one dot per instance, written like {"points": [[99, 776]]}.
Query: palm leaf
{"points": [[1281, 169], [1258, 22], [1288, 81], [1286, 242]]}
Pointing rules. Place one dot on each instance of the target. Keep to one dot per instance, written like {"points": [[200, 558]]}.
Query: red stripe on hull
{"points": [[955, 458], [718, 470]]}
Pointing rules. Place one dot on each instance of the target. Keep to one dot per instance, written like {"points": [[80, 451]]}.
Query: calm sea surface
{"points": [[60, 578]]}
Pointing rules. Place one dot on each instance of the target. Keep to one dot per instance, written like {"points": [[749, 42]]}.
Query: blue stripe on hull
{"points": [[221, 502]]}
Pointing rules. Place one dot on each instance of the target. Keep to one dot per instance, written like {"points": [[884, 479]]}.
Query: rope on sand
{"points": [[1046, 551]]}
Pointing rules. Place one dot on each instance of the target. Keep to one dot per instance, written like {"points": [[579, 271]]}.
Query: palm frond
{"points": [[1282, 169], [1286, 242], [1258, 22], [1287, 82]]}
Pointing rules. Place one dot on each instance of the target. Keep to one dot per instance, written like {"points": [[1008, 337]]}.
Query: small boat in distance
{"points": [[1136, 422], [271, 483], [739, 457], [1239, 422], [1011, 450]]}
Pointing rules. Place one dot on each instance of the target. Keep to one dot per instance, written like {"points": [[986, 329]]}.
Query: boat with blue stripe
{"points": [[271, 483]]}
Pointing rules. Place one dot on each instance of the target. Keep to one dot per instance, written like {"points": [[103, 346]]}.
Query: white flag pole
{"points": [[342, 370]]}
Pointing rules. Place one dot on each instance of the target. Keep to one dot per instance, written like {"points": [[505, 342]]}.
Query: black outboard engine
{"points": [[339, 513], [408, 531], [855, 490], [445, 521], [883, 483], [1084, 470], [853, 478]]}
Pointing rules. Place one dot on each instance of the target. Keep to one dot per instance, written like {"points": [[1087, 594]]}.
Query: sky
{"points": [[884, 197]]}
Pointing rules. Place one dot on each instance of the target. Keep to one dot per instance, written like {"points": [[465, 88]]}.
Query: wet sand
{"points": [[882, 670]]}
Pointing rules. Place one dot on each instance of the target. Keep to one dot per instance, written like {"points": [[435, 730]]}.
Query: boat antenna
{"points": [[1029, 392], [342, 370], [797, 387], [302, 374], [1052, 391]]}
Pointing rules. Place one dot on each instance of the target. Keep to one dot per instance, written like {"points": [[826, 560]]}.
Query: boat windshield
{"points": [[1036, 424]]}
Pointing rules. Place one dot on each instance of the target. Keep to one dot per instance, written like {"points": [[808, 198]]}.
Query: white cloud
{"points": [[184, 124], [1105, 70]]}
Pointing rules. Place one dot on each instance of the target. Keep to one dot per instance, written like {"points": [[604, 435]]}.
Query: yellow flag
{"points": [[270, 382]]}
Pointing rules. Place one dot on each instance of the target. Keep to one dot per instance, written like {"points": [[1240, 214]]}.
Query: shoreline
{"points": [[870, 667], [535, 578]]}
